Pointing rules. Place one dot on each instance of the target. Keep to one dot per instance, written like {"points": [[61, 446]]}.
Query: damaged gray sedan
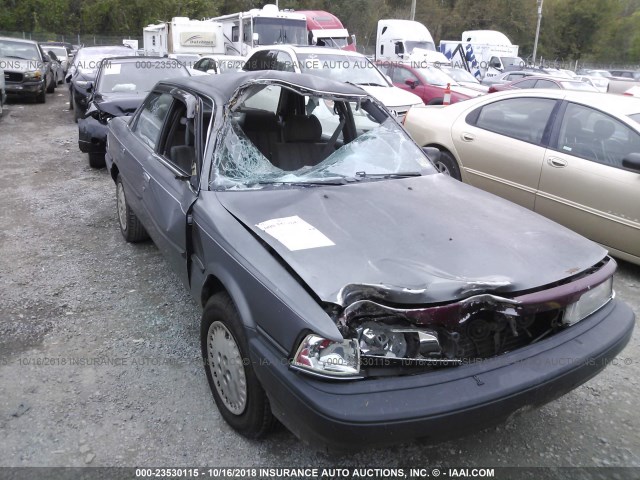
{"points": [[349, 290]]}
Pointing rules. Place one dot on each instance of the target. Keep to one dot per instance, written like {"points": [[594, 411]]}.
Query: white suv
{"points": [[336, 64]]}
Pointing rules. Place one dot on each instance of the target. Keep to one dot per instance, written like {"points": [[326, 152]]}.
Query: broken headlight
{"points": [[324, 357], [590, 301]]}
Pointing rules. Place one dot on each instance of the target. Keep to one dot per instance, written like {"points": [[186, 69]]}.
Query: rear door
{"points": [[138, 147], [502, 145], [583, 184]]}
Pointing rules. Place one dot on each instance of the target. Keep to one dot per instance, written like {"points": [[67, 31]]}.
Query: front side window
{"points": [[593, 135], [525, 84], [401, 75], [149, 123], [310, 139], [521, 118], [545, 84]]}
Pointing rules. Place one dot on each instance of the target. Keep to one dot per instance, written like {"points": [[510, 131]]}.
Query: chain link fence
{"points": [[78, 39]]}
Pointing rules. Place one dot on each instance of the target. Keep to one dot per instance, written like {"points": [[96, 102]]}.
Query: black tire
{"points": [[96, 160], [447, 164], [130, 227], [52, 86], [41, 97], [251, 416], [76, 111]]}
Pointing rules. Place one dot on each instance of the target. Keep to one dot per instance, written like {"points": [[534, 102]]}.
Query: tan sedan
{"points": [[573, 157]]}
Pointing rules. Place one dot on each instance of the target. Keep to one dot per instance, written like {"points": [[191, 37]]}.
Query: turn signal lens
{"points": [[328, 358]]}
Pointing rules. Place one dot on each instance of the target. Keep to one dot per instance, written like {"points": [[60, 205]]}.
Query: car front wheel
{"points": [[130, 227], [52, 84], [96, 159], [447, 164], [239, 396]]}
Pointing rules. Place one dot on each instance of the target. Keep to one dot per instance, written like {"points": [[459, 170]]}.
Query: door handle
{"points": [[467, 137], [146, 177], [556, 162]]}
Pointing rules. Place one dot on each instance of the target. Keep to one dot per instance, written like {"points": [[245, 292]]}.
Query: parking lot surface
{"points": [[99, 344]]}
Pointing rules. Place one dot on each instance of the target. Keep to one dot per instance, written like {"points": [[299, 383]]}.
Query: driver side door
{"points": [[170, 180]]}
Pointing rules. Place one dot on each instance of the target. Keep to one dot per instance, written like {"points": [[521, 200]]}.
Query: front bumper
{"points": [[440, 404], [23, 88], [92, 135]]}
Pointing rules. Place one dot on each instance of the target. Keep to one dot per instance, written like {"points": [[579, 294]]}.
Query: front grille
{"points": [[13, 76]]}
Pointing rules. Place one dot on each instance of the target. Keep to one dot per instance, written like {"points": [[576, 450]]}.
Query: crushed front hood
{"points": [[392, 97], [119, 104], [412, 241]]}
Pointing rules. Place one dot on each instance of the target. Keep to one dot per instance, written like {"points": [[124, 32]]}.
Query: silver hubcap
{"points": [[227, 370], [442, 168], [122, 207]]}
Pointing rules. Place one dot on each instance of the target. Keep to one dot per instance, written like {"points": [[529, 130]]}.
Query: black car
{"points": [[120, 86], [349, 289], [82, 72]]}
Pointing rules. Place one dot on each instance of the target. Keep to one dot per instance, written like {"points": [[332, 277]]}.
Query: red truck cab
{"points": [[326, 30]]}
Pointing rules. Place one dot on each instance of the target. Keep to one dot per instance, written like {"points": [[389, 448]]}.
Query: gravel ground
{"points": [[73, 294]]}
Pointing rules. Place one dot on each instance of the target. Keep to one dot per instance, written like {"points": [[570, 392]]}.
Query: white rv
{"points": [[182, 36], [484, 53], [406, 40], [243, 31]]}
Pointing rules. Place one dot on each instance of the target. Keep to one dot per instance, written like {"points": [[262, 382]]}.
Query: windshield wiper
{"points": [[388, 175], [319, 182], [371, 84]]}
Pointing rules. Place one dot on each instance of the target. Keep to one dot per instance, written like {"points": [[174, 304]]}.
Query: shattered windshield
{"points": [[277, 137]]}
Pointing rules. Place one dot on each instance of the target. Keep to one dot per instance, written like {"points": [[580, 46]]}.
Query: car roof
{"points": [[21, 40], [106, 48], [130, 58], [222, 87], [616, 104]]}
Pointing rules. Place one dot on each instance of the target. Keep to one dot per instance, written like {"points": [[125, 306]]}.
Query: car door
{"points": [[501, 146], [583, 184], [171, 179]]}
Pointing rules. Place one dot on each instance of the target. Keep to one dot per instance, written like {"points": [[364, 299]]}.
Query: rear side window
{"points": [[151, 118], [521, 118]]}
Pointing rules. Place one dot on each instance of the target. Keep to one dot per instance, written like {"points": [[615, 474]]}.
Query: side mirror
{"points": [[412, 83], [433, 153], [632, 162], [256, 38], [352, 40], [46, 58], [89, 87]]}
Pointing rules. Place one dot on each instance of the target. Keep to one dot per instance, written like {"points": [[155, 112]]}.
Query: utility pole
{"points": [[413, 10], [535, 43]]}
